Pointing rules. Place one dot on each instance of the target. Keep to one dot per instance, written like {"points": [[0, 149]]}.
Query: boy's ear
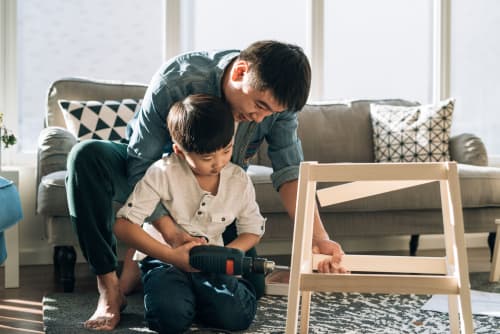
{"points": [[178, 150], [240, 68]]}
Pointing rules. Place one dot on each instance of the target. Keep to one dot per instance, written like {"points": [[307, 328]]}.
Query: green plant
{"points": [[6, 136]]}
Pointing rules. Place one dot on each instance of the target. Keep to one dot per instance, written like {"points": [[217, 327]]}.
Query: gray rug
{"points": [[330, 313]]}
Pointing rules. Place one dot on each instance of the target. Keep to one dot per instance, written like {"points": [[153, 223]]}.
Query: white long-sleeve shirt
{"points": [[171, 181]]}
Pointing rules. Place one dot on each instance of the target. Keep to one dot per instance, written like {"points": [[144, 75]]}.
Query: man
{"points": [[265, 85]]}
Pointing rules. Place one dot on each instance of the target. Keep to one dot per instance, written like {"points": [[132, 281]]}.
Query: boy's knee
{"points": [[166, 315]]}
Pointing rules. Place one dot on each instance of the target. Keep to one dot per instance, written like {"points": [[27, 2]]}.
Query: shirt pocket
{"points": [[219, 221]]}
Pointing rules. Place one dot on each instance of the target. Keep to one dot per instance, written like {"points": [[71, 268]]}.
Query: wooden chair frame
{"points": [[380, 274]]}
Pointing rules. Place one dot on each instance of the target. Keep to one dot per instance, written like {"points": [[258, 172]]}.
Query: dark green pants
{"points": [[97, 176]]}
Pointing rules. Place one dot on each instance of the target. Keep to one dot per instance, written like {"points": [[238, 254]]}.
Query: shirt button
{"points": [[203, 204], [199, 213], [129, 205], [223, 219]]}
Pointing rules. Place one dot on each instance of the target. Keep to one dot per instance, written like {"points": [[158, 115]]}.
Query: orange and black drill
{"points": [[230, 261]]}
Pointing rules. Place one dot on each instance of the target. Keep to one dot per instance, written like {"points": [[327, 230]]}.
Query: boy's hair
{"points": [[201, 123], [282, 68]]}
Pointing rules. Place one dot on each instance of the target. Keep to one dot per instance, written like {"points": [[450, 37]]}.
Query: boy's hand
{"points": [[329, 247], [180, 256]]}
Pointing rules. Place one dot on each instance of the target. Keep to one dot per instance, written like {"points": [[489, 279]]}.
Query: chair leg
{"points": [[414, 244], [491, 243], [64, 266]]}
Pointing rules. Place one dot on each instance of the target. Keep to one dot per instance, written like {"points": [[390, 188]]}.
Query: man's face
{"points": [[249, 104]]}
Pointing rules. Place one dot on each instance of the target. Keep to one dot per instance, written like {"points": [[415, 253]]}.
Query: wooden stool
{"points": [[387, 274]]}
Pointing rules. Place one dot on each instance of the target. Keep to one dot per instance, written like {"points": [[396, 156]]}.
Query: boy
{"points": [[203, 193]]}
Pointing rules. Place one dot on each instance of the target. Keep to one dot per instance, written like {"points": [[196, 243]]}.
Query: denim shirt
{"points": [[196, 73]]}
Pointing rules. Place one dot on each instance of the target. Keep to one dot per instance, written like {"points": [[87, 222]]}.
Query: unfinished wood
{"points": [[393, 284], [389, 263], [347, 172], [361, 189], [453, 279], [495, 264]]}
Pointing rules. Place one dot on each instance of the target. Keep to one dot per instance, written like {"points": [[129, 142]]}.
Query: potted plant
{"points": [[7, 138]]}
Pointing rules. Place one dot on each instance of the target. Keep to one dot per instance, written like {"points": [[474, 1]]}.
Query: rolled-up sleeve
{"points": [[144, 198], [285, 149]]}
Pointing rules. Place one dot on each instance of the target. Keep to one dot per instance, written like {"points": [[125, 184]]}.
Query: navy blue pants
{"points": [[174, 299]]}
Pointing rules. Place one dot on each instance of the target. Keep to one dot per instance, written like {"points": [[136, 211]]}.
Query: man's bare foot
{"points": [[130, 277], [111, 301]]}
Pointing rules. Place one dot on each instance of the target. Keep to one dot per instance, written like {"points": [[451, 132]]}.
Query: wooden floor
{"points": [[21, 309]]}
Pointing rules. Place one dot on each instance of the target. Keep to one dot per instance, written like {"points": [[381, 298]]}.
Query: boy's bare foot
{"points": [[111, 301], [130, 277]]}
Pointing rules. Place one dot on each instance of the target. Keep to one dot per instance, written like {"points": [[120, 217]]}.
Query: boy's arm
{"points": [[137, 238], [244, 241]]}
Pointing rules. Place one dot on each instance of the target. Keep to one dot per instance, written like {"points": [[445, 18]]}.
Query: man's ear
{"points": [[240, 68]]}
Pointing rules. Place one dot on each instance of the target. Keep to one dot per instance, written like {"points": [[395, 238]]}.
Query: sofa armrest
{"points": [[54, 144], [468, 149]]}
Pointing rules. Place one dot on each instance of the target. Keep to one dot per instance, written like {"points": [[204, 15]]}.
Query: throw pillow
{"points": [[99, 120], [412, 134]]}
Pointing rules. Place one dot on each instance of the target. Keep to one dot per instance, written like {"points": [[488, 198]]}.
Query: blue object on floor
{"points": [[10, 211]]}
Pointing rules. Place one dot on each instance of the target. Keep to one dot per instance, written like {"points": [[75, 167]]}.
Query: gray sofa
{"points": [[333, 132]]}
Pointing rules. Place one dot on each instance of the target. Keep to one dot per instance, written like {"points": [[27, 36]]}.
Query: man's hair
{"points": [[201, 123], [282, 68]]}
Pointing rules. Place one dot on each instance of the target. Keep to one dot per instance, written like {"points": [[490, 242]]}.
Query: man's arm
{"points": [[321, 241]]}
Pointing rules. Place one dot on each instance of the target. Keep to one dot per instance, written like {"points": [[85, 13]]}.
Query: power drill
{"points": [[229, 261]]}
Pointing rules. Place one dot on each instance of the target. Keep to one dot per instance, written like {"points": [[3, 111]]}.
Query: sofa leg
{"points": [[64, 266], [414, 244], [492, 236]]}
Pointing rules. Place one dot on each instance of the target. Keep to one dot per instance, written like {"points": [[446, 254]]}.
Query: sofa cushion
{"points": [[99, 120], [412, 134], [480, 187], [51, 199]]}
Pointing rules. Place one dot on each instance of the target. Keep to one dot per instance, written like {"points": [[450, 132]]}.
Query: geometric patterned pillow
{"points": [[99, 120], [412, 134]]}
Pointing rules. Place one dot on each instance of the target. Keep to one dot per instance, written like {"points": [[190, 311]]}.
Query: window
{"points": [[474, 79], [217, 24], [378, 49], [111, 40]]}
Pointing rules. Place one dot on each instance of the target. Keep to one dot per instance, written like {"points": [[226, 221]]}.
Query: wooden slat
{"points": [[369, 283], [389, 263], [361, 189], [345, 172]]}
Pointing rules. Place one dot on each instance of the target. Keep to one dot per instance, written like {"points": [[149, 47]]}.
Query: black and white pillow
{"points": [[412, 134], [99, 120]]}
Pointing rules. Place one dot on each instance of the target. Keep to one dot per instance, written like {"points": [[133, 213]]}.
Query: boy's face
{"points": [[247, 103], [207, 164]]}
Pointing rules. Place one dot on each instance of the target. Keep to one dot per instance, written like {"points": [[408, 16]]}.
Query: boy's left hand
{"points": [[329, 247]]}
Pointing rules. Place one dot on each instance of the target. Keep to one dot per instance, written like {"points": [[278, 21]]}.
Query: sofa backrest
{"points": [[336, 131], [81, 89]]}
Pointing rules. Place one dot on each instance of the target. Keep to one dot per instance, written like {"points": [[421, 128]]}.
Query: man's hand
{"points": [[329, 247]]}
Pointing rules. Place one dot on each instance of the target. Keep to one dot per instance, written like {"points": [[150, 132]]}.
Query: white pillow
{"points": [[99, 120], [412, 134]]}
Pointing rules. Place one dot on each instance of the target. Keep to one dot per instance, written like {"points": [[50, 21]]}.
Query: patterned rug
{"points": [[330, 313]]}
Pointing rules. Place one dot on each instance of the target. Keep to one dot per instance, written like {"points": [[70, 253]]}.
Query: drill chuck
{"points": [[224, 260]]}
